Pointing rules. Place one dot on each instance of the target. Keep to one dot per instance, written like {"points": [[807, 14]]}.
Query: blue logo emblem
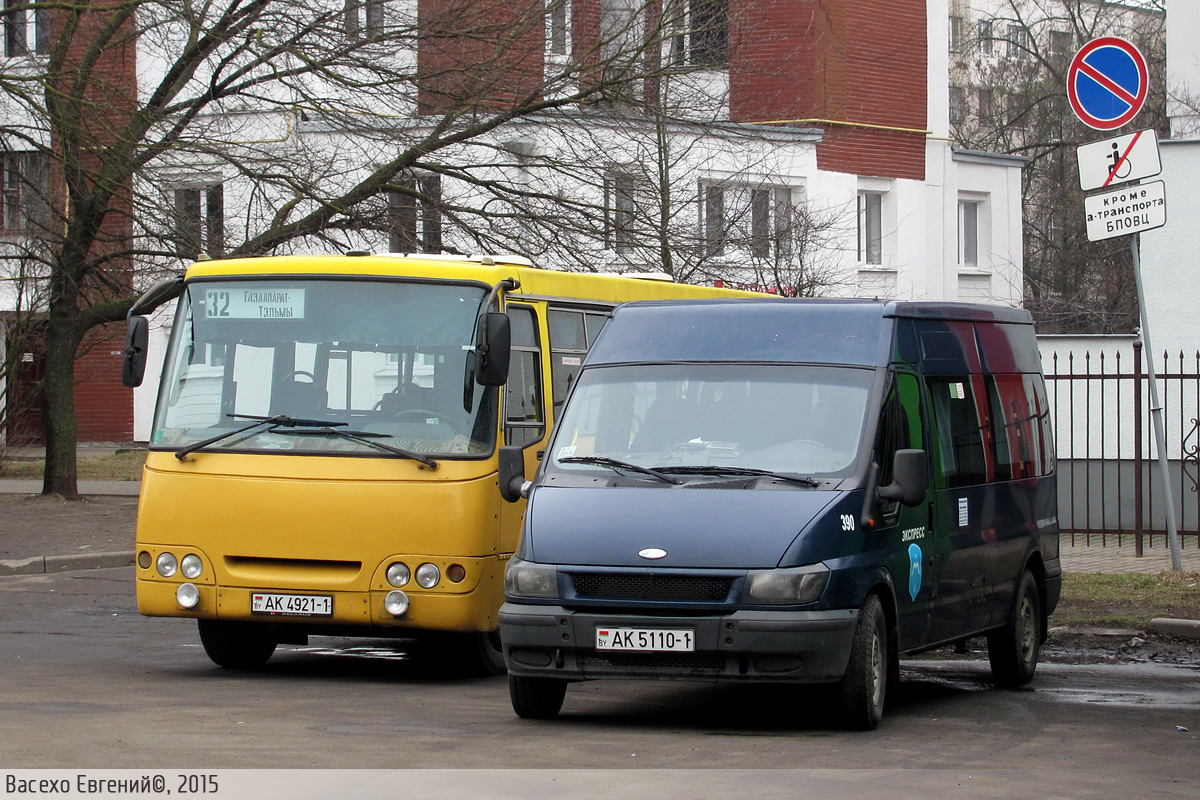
{"points": [[914, 570]]}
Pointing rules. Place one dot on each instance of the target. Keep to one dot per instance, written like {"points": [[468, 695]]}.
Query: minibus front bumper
{"points": [[744, 646]]}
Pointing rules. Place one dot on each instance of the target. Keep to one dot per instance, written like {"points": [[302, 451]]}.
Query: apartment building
{"points": [[802, 146]]}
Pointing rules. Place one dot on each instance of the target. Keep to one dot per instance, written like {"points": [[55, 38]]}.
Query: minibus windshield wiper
{"points": [[280, 420], [710, 469], [367, 438], [605, 461]]}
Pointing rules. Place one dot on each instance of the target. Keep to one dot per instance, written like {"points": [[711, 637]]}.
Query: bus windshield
{"points": [[796, 420], [353, 361]]}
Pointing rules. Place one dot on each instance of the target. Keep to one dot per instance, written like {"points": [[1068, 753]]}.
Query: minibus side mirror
{"points": [[493, 343], [910, 478], [137, 339], [512, 473]]}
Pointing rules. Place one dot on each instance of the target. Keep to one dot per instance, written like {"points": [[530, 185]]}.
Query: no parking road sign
{"points": [[1107, 83]]}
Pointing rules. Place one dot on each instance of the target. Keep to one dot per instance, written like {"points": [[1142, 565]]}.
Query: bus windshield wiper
{"points": [[613, 463], [280, 420], [367, 438], [712, 469]]}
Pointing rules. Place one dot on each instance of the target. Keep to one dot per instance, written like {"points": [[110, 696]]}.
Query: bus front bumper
{"points": [[745, 646], [461, 612]]}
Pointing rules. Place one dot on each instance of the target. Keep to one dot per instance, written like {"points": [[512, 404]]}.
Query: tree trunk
{"points": [[61, 472]]}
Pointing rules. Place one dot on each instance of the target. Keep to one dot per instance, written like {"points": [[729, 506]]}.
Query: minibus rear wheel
{"points": [[536, 698], [864, 684], [1013, 650], [236, 645]]}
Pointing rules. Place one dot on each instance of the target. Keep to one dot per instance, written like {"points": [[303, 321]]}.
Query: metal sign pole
{"points": [[1156, 410]]}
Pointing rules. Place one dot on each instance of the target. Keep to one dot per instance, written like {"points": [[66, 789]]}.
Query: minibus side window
{"points": [[524, 418], [959, 431]]}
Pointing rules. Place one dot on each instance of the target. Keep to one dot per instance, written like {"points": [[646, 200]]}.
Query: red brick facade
{"points": [[854, 68], [103, 405]]}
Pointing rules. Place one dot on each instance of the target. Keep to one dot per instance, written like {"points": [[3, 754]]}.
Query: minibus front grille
{"points": [[640, 586]]}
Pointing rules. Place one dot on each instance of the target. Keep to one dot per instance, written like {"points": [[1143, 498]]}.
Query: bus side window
{"points": [[572, 333], [524, 419]]}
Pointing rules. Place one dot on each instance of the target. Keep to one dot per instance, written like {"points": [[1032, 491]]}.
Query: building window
{"points": [[24, 191], [1018, 41], [1060, 46], [558, 28], [1017, 105], [986, 37], [365, 19], [415, 215], [986, 104], [200, 220], [870, 227], [968, 234], [26, 30], [621, 195], [756, 221], [957, 26], [701, 32], [958, 105]]}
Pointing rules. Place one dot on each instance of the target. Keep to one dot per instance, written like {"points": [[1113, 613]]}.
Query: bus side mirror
{"points": [[512, 473], [493, 344], [137, 339], [910, 478]]}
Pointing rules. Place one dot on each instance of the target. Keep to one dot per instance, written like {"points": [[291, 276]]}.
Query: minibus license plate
{"points": [[647, 639], [306, 605]]}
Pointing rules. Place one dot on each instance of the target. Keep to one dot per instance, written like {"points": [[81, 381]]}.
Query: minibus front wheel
{"points": [[536, 698], [864, 684], [236, 645]]}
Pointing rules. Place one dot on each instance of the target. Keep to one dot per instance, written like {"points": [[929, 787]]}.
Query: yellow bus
{"points": [[333, 437]]}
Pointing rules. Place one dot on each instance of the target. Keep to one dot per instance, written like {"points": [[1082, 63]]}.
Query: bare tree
{"points": [[340, 116], [1009, 64]]}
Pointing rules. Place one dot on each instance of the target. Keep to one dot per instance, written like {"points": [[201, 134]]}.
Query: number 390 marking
{"points": [[847, 522]]}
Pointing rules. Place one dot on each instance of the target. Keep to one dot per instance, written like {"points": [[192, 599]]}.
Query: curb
{"points": [[1183, 628], [42, 565]]}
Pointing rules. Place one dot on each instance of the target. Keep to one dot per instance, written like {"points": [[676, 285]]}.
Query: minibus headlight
{"points": [[398, 574], [187, 595], [191, 566], [527, 579], [428, 575], [166, 564], [786, 586]]}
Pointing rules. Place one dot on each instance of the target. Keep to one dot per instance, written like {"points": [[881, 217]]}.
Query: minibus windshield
{"points": [[366, 367], [795, 420]]}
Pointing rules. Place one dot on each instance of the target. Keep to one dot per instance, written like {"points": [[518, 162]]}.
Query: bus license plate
{"points": [[646, 639], [304, 605]]}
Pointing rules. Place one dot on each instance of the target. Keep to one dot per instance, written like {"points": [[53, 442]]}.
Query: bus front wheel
{"points": [[236, 645], [481, 654]]}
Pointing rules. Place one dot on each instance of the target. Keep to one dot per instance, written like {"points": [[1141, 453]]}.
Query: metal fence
{"points": [[1110, 488]]}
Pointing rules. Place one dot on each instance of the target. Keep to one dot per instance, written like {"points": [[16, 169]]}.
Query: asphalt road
{"points": [[86, 683]]}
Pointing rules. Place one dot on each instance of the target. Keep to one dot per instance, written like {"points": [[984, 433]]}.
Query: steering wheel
{"points": [[424, 414], [298, 373]]}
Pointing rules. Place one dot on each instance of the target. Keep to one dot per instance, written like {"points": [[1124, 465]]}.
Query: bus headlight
{"points": [[786, 586], [166, 564], [398, 574], [191, 566], [396, 603], [187, 595], [428, 575], [527, 579]]}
